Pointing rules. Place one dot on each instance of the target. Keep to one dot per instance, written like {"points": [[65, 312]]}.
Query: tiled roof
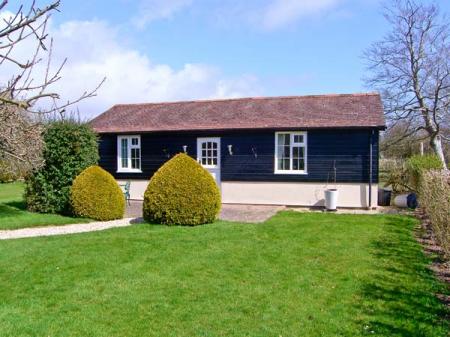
{"points": [[316, 111]]}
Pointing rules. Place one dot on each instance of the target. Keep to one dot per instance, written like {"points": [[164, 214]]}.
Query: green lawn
{"points": [[13, 213], [295, 275]]}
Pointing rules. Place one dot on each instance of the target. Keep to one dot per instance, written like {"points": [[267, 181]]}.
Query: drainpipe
{"points": [[370, 167]]}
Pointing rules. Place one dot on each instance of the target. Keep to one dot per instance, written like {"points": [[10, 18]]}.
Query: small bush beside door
{"points": [[182, 192]]}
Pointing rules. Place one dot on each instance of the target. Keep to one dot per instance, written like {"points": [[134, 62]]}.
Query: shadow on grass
{"points": [[399, 297], [9, 210], [17, 204]]}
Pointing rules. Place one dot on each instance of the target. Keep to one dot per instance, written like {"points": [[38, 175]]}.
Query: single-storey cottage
{"points": [[269, 150]]}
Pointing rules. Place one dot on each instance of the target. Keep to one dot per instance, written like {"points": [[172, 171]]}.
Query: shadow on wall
{"points": [[319, 203], [319, 195], [390, 307], [363, 193]]}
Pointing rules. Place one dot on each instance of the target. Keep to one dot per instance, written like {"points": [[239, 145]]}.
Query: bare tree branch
{"points": [[29, 94], [411, 69]]}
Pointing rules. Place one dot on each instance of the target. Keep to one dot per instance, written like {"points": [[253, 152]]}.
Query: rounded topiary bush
{"points": [[181, 192], [96, 195]]}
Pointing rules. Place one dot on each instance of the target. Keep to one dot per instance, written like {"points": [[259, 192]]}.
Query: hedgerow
{"points": [[435, 200], [417, 165], [69, 148]]}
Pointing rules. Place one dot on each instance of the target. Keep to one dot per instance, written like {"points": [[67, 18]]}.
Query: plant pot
{"points": [[331, 199], [384, 197], [406, 201]]}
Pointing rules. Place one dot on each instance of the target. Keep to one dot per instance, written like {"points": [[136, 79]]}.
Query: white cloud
{"points": [[280, 13], [267, 14], [95, 50], [151, 10], [272, 14]]}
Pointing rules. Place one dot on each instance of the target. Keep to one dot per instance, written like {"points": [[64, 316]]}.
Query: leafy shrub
{"points": [[417, 165], [69, 148], [435, 200], [181, 192], [394, 174], [95, 194]]}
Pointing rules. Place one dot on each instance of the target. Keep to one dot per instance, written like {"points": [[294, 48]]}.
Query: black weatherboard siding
{"points": [[254, 152]]}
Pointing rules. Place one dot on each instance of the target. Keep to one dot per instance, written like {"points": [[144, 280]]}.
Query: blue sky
{"points": [[166, 50]]}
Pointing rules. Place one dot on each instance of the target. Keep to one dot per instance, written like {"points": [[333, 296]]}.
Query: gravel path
{"points": [[241, 213], [67, 229]]}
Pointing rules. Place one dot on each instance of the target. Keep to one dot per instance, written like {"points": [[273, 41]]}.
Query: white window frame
{"points": [[128, 169], [304, 144]]}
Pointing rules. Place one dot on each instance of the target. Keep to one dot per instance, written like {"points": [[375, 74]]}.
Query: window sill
{"points": [[129, 171], [300, 173]]}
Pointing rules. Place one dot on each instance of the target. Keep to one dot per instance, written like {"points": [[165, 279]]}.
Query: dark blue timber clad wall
{"points": [[254, 153]]}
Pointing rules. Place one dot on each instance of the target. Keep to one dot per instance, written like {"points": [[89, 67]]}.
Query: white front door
{"points": [[208, 155]]}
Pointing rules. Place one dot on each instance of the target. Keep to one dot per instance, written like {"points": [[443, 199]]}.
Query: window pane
{"points": [[298, 138], [284, 139], [134, 141], [298, 162], [214, 161], [280, 164], [284, 142], [301, 165], [283, 164], [135, 158], [298, 152], [124, 152]]}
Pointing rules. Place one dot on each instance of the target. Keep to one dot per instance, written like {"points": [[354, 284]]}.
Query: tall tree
{"points": [[410, 66], [28, 95]]}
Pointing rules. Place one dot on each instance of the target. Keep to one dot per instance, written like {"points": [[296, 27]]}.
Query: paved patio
{"points": [[238, 213]]}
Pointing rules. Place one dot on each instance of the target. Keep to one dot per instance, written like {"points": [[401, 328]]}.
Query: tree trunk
{"points": [[436, 145]]}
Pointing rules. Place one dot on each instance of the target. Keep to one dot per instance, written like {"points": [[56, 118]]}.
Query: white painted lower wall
{"points": [[297, 194], [355, 195]]}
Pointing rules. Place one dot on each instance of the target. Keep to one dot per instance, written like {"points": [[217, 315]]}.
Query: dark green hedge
{"points": [[69, 148], [181, 192]]}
